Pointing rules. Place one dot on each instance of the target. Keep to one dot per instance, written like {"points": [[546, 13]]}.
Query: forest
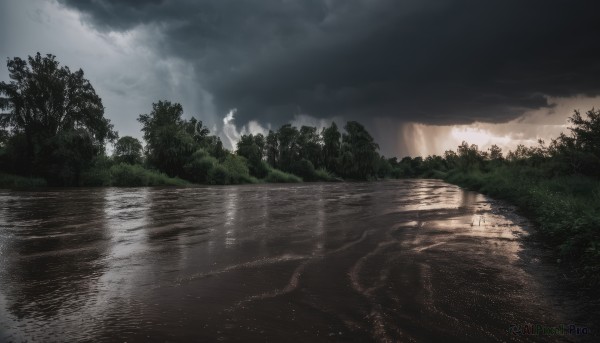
{"points": [[53, 133]]}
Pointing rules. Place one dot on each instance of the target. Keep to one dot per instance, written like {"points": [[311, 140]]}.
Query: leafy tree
{"points": [[469, 156], [47, 107], [384, 167], [169, 143], [495, 153], [272, 149], [586, 131], [128, 150], [252, 148], [331, 147], [288, 146], [309, 145], [214, 146], [197, 130], [434, 163], [451, 159], [362, 158], [580, 150]]}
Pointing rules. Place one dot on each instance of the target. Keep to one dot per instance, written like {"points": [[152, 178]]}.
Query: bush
{"points": [[236, 168], [305, 169], [277, 176], [260, 170], [219, 176], [126, 175], [323, 175], [98, 174], [95, 177], [199, 168], [15, 181]]}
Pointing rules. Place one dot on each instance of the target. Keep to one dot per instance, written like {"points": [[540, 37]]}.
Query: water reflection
{"points": [[53, 249], [231, 207], [401, 260]]}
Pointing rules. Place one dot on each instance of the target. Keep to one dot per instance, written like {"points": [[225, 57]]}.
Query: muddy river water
{"points": [[412, 260]]}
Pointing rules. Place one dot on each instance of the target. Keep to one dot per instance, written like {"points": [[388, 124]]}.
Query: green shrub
{"points": [[277, 176], [15, 181], [260, 170], [95, 177], [322, 174], [98, 174], [219, 176], [236, 168], [199, 168], [305, 169], [126, 175]]}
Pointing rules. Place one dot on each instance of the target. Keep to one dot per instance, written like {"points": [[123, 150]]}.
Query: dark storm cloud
{"points": [[430, 61]]}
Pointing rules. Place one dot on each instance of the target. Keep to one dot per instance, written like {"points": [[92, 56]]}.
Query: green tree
{"points": [[495, 153], [469, 156], [252, 148], [580, 150], [586, 131], [310, 145], [128, 150], [331, 147], [288, 146], [272, 149], [169, 143], [384, 168], [197, 131], [46, 108], [363, 157]]}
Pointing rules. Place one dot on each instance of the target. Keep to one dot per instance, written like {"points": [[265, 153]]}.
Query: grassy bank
{"points": [[128, 175], [566, 209], [15, 181]]}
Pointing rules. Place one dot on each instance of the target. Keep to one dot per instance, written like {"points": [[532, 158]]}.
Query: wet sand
{"points": [[411, 260]]}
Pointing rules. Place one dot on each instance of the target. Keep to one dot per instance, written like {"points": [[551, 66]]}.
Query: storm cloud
{"points": [[427, 61]]}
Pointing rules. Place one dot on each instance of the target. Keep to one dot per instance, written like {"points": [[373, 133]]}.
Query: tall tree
{"points": [[359, 151], [54, 118], [288, 146], [272, 149], [331, 147], [169, 143], [310, 145], [252, 148]]}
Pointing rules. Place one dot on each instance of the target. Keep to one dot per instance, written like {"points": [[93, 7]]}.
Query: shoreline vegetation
{"points": [[53, 133]]}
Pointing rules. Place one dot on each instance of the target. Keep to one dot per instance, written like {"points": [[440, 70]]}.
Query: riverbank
{"points": [[120, 175], [566, 210], [127, 175], [16, 181]]}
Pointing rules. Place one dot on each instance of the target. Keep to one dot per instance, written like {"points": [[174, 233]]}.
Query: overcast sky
{"points": [[421, 74]]}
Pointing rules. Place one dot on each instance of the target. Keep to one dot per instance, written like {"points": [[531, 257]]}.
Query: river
{"points": [[411, 260]]}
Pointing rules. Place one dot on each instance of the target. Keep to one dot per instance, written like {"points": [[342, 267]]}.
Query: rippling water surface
{"points": [[388, 261]]}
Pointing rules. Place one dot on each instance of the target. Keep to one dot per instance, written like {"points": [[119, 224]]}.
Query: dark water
{"points": [[390, 261]]}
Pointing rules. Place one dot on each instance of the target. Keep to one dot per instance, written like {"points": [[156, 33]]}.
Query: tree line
{"points": [[52, 126]]}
